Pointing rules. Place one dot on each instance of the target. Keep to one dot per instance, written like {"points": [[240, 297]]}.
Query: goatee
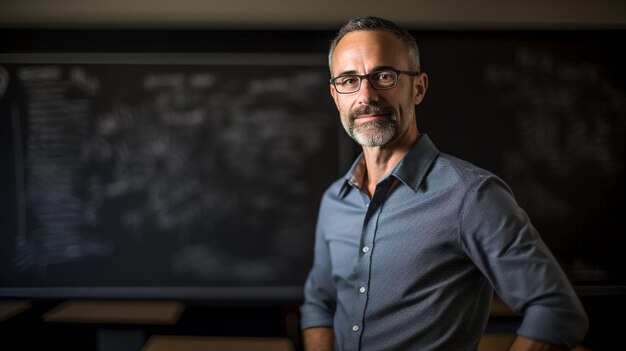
{"points": [[373, 133]]}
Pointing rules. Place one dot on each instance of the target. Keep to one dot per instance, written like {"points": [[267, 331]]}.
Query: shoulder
{"points": [[469, 188], [335, 188], [450, 171], [465, 171], [333, 193]]}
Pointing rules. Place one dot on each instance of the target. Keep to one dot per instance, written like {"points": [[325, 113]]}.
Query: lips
{"points": [[367, 118]]}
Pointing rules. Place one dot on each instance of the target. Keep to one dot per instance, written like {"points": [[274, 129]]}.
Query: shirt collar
{"points": [[411, 170]]}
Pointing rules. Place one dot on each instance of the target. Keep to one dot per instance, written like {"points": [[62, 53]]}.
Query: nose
{"points": [[366, 93]]}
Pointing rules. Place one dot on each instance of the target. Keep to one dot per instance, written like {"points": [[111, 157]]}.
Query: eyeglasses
{"points": [[379, 80]]}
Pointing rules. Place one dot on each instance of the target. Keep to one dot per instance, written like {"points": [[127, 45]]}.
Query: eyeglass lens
{"points": [[378, 80]]}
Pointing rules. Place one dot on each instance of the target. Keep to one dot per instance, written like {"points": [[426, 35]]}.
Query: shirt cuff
{"points": [[560, 327], [313, 318]]}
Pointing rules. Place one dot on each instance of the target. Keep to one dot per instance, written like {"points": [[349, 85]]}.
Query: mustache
{"points": [[370, 110]]}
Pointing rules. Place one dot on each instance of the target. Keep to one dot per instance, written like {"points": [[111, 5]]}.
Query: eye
{"points": [[347, 80], [384, 77]]}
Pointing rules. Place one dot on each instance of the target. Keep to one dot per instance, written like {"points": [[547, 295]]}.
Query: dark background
{"points": [[544, 110]]}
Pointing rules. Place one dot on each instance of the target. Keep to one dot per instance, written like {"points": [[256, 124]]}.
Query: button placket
{"points": [[364, 260]]}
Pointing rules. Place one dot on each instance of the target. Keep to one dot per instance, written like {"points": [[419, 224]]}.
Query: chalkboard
{"points": [[165, 171], [195, 168], [545, 111]]}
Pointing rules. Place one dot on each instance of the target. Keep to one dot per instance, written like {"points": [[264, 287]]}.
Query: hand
{"points": [[522, 343]]}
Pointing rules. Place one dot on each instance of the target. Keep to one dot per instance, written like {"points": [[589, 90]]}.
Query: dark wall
{"points": [[189, 164], [181, 158]]}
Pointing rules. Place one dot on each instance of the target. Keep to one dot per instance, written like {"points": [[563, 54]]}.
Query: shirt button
{"points": [[362, 289], [355, 328], [365, 249]]}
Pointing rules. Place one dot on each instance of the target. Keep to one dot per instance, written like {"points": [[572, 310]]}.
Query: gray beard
{"points": [[374, 133]]}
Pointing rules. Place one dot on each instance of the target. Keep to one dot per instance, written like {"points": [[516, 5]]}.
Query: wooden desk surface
{"points": [[10, 308], [116, 312], [210, 343]]}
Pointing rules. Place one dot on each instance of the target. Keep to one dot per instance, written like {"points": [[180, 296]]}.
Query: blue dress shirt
{"points": [[415, 268]]}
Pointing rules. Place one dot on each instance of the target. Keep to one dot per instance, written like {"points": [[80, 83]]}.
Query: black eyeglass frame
{"points": [[369, 76]]}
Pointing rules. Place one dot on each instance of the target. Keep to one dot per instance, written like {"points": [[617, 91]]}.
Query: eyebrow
{"points": [[376, 69]]}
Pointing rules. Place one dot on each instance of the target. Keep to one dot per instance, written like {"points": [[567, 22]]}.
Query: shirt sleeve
{"points": [[504, 245], [319, 304]]}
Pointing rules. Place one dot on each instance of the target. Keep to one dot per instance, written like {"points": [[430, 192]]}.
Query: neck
{"points": [[380, 160]]}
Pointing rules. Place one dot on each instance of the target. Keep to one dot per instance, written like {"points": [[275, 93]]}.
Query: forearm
{"points": [[522, 343], [318, 339]]}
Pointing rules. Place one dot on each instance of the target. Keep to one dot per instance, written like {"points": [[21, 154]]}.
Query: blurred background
{"points": [[176, 152]]}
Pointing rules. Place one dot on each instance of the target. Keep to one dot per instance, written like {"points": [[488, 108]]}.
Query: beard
{"points": [[373, 133]]}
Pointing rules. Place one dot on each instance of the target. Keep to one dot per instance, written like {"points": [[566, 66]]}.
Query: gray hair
{"points": [[377, 23]]}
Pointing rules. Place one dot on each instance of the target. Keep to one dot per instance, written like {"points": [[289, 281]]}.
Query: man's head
{"points": [[376, 81], [376, 23]]}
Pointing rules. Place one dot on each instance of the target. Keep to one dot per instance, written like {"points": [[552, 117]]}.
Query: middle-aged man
{"points": [[412, 242]]}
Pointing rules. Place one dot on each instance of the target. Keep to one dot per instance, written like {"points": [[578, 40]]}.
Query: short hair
{"points": [[376, 23]]}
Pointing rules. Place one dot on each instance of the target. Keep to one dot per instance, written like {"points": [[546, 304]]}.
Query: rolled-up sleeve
{"points": [[500, 239]]}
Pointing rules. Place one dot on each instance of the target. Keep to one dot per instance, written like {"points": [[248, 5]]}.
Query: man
{"points": [[412, 243]]}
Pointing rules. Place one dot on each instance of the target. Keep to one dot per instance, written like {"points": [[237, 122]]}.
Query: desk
{"points": [[10, 308], [123, 313], [502, 342], [116, 312], [206, 343]]}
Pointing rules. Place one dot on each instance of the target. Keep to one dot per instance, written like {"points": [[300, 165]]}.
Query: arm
{"points": [[504, 245], [525, 344], [318, 339], [318, 308]]}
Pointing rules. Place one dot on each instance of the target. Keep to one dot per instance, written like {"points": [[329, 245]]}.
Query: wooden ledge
{"points": [[210, 343], [116, 312]]}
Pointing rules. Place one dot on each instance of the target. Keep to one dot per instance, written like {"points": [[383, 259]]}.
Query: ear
{"points": [[420, 84]]}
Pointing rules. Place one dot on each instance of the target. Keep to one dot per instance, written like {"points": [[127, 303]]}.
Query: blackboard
{"points": [[545, 111], [194, 168], [171, 172]]}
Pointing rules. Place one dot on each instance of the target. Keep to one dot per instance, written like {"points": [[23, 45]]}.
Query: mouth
{"points": [[370, 117]]}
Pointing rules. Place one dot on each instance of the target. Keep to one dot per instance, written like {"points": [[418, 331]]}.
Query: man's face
{"points": [[376, 117]]}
